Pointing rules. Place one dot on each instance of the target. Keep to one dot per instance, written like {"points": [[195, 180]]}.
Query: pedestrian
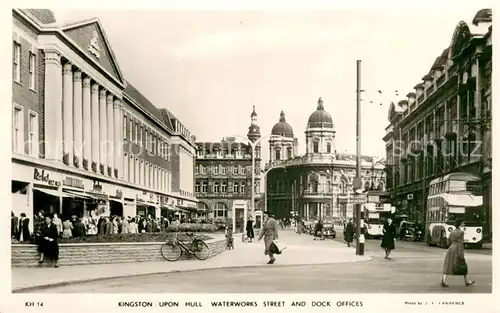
{"points": [[14, 225], [349, 233], [57, 221], [229, 238], [24, 231], [454, 261], [125, 225], [318, 230], [67, 229], [47, 245], [79, 229], [133, 227], [389, 233], [270, 233], [249, 229]]}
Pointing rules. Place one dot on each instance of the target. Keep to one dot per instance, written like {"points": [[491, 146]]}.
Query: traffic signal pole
{"points": [[360, 234]]}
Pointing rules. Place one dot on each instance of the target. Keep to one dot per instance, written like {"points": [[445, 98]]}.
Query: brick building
{"points": [[83, 138], [224, 175], [449, 111], [319, 183]]}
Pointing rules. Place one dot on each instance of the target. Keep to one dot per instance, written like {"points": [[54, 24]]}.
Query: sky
{"points": [[210, 67]]}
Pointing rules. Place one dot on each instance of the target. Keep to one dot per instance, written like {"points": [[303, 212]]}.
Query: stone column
{"points": [[103, 134], [117, 170], [95, 132], [87, 124], [110, 132], [68, 114], [77, 118], [53, 113]]}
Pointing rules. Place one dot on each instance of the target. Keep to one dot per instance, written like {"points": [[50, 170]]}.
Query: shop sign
{"points": [[41, 175], [179, 201], [151, 197], [119, 193], [73, 182], [214, 195]]}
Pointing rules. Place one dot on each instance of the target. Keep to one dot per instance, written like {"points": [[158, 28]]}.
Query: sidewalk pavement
{"points": [[301, 250]]}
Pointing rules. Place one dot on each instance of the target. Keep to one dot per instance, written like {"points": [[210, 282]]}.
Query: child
{"points": [[230, 240]]}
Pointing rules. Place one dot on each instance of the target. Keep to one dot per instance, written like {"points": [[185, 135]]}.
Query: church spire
{"points": [[254, 129]]}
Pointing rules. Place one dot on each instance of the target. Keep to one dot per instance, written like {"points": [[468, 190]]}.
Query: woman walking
{"points": [[270, 233], [349, 233], [389, 233], [454, 261], [249, 229], [47, 245]]}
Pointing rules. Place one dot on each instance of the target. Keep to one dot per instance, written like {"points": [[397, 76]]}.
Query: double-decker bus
{"points": [[451, 197], [376, 210]]}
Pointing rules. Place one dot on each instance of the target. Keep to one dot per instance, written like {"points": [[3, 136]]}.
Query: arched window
{"points": [[314, 186], [328, 147], [289, 152], [204, 187], [242, 188], [197, 187], [216, 188], [235, 188], [278, 154], [224, 187], [316, 146]]}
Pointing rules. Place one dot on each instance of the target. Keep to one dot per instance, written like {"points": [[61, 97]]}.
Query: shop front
{"points": [[147, 204]]}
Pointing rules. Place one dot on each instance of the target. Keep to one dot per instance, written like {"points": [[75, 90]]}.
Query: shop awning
{"points": [[51, 192], [146, 203], [169, 207], [187, 208], [77, 194]]}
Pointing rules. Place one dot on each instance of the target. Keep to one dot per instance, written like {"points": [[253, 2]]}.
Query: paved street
{"points": [[414, 269]]}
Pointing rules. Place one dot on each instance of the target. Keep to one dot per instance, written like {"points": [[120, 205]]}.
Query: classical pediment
{"points": [[90, 37]]}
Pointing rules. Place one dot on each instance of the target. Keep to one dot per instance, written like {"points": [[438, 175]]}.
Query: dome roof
{"points": [[282, 128], [320, 118]]}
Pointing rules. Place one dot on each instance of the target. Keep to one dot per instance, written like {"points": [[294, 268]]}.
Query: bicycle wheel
{"points": [[171, 252], [203, 252]]}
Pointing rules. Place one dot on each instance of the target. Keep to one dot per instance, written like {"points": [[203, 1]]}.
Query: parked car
{"points": [[329, 230]]}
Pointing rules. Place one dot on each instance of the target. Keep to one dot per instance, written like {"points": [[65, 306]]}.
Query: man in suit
{"points": [[24, 231], [79, 229], [14, 225]]}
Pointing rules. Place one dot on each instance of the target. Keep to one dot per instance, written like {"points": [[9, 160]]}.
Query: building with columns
{"points": [[449, 112], [84, 139], [224, 175], [318, 184]]}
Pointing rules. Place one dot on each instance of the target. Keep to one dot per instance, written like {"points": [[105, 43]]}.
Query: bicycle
{"points": [[173, 250]]}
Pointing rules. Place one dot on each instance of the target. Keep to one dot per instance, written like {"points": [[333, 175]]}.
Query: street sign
{"points": [[358, 199]]}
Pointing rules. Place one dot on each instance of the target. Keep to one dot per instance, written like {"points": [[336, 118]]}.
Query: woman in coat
{"points": [[47, 245], [349, 233], [389, 233], [270, 233], [249, 229], [455, 254]]}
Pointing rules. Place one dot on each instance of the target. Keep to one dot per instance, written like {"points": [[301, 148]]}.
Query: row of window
{"points": [[437, 215], [219, 187], [17, 66], [219, 169], [147, 138], [316, 147], [18, 138], [146, 174]]}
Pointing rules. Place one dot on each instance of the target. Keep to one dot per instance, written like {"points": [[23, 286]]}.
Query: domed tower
{"points": [[282, 144], [320, 132], [254, 132]]}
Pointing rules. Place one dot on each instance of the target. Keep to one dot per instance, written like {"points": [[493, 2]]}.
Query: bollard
{"points": [[362, 244]]}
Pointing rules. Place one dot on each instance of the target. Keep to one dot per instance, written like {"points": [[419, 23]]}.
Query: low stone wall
{"points": [[25, 255]]}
